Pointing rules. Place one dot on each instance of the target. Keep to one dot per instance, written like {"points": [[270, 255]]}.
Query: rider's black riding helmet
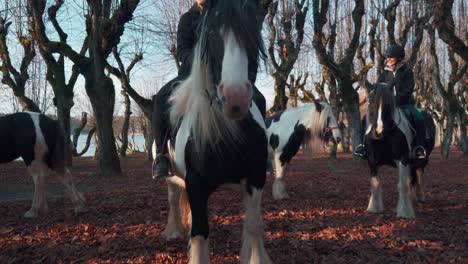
{"points": [[395, 51]]}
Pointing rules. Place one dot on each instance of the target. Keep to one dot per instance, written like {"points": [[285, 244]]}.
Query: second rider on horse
{"points": [[400, 78]]}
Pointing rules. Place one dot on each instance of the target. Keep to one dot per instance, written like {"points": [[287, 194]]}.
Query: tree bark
{"points": [[125, 126], [15, 79], [77, 132], [448, 134], [88, 141], [342, 71]]}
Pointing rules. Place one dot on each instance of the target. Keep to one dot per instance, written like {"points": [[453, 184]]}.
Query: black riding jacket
{"points": [[187, 38], [403, 80]]}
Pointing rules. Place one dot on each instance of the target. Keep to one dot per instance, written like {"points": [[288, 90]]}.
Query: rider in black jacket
{"points": [[399, 75], [186, 40]]}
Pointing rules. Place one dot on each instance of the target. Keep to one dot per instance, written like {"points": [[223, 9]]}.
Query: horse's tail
{"points": [[59, 152]]}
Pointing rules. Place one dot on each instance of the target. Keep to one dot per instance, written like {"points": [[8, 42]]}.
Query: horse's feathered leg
{"points": [[279, 191], [179, 211], [39, 203], [419, 185], [405, 206], [253, 248], [198, 198], [76, 197], [375, 201]]}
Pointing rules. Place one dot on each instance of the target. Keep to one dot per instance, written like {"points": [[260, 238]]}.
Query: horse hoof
{"points": [[280, 196], [30, 214], [375, 211], [173, 235]]}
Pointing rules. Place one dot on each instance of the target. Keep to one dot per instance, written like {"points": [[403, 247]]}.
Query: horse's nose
{"points": [[235, 109]]}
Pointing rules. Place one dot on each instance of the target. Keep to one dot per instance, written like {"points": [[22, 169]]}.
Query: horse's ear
{"points": [[318, 106]]}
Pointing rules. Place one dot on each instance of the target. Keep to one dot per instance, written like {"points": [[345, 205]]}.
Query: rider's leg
{"points": [[161, 129], [417, 121], [259, 100], [420, 127]]}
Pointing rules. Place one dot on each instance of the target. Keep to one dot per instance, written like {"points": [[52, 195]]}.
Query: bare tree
{"points": [[448, 93], [124, 77], [286, 24], [443, 20], [342, 70], [104, 27], [13, 77]]}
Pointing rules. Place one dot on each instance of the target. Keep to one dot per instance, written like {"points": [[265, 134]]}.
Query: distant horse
{"points": [[220, 134], [289, 129], [388, 141], [40, 142]]}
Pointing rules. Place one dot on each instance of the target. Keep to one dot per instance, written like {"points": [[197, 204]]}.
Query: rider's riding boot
{"points": [[360, 151], [419, 152], [160, 166]]}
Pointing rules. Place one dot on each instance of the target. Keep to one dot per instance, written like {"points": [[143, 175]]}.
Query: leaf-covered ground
{"points": [[323, 221]]}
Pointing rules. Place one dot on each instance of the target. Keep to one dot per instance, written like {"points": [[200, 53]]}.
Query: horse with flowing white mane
{"points": [[220, 135], [288, 129], [40, 142], [388, 141]]}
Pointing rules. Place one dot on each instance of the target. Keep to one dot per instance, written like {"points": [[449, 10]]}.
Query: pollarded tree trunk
{"points": [[463, 132], [448, 134], [102, 96], [351, 108], [126, 125], [280, 100], [64, 105]]}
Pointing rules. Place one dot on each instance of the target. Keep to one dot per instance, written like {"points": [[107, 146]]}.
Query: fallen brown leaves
{"points": [[323, 221]]}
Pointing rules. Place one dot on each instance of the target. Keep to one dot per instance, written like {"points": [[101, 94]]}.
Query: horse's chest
{"points": [[227, 162], [388, 149]]}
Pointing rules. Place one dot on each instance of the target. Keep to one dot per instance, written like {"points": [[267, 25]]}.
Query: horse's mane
{"points": [[382, 93], [190, 101]]}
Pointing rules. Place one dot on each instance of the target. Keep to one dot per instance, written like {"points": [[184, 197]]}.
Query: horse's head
{"points": [[380, 111], [329, 124], [230, 37]]}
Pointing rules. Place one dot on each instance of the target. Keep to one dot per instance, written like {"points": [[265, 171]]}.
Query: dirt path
{"points": [[323, 221]]}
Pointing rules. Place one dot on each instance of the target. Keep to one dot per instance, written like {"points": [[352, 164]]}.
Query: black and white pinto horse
{"points": [[289, 129], [40, 142], [220, 134], [389, 140]]}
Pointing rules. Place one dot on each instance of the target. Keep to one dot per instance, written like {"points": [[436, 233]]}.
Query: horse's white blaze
{"points": [[375, 201], [234, 60], [369, 128], [379, 128], [199, 253], [253, 248], [405, 205]]}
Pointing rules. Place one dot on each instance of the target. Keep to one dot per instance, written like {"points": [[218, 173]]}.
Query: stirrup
{"points": [[419, 147], [360, 151]]}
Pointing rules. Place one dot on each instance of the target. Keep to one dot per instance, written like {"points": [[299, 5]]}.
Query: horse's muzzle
{"points": [[236, 100]]}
